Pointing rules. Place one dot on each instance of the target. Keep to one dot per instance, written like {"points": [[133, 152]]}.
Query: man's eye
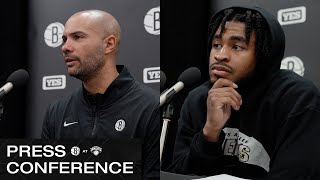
{"points": [[237, 48], [77, 37], [216, 46]]}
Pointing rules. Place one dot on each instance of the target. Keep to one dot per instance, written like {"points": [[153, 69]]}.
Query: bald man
{"points": [[110, 103]]}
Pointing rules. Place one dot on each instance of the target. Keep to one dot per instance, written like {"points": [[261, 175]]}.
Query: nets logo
{"points": [[293, 63], [53, 34], [292, 15], [54, 82], [120, 125], [152, 21], [151, 75], [75, 150]]}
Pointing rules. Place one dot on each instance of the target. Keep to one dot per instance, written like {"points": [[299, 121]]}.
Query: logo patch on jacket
{"points": [[248, 149], [65, 124], [120, 125]]}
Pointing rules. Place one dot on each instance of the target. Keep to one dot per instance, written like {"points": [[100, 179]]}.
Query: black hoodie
{"points": [[275, 133]]}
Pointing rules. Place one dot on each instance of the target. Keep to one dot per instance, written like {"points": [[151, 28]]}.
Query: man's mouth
{"points": [[220, 70], [70, 61]]}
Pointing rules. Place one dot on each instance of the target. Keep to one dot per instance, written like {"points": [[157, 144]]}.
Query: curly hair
{"points": [[253, 22]]}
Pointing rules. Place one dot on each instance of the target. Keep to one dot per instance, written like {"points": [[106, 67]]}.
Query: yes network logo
{"points": [[151, 75], [54, 82], [292, 15]]}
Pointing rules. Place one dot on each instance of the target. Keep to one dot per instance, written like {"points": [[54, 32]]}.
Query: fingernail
{"points": [[241, 102], [235, 85]]}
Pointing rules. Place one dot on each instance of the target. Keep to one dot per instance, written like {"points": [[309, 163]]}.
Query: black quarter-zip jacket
{"points": [[127, 109]]}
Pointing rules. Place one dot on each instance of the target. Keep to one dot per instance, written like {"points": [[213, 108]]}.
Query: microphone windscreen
{"points": [[163, 80], [18, 77], [190, 76]]}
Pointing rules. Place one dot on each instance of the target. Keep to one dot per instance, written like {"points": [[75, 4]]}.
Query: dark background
{"points": [[183, 45], [13, 56]]}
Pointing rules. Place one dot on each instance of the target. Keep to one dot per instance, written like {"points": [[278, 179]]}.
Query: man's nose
{"points": [[67, 47], [221, 55]]}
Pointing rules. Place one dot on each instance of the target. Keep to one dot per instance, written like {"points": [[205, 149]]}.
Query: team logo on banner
{"points": [[293, 63], [151, 75], [152, 21], [53, 34], [54, 82], [292, 15]]}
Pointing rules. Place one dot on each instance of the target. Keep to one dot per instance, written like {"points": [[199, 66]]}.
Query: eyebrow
{"points": [[73, 33], [235, 37], [78, 32]]}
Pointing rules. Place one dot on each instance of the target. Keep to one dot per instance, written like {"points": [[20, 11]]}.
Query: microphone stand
{"points": [[166, 116]]}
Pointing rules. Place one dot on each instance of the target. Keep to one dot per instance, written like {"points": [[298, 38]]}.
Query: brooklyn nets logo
{"points": [[152, 21], [120, 124], [75, 150], [53, 34], [293, 63]]}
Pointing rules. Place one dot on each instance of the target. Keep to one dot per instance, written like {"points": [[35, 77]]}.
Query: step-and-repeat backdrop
{"points": [[139, 49]]}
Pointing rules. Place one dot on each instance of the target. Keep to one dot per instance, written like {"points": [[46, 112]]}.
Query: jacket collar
{"points": [[114, 92]]}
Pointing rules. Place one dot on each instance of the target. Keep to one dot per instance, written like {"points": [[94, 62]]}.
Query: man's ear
{"points": [[110, 44]]}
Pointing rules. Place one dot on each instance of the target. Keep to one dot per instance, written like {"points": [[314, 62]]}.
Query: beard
{"points": [[89, 67]]}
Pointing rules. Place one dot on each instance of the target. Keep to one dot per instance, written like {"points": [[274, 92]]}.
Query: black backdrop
{"points": [[183, 45], [13, 56]]}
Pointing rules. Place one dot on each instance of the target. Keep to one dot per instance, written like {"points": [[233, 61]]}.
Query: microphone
{"points": [[186, 78], [17, 79], [163, 80]]}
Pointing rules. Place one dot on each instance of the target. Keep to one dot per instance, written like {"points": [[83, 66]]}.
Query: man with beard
{"points": [[250, 119], [110, 103]]}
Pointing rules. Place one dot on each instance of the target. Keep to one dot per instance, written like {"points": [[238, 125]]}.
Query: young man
{"points": [[251, 119], [110, 103]]}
